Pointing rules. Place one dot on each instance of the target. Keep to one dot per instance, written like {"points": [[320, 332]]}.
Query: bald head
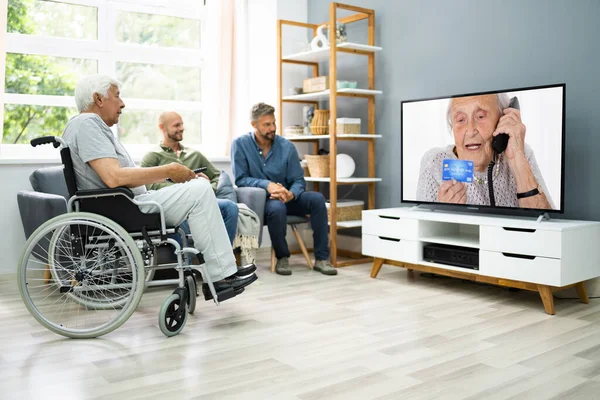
{"points": [[171, 126]]}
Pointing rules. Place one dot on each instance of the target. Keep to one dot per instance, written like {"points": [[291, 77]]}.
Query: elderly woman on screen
{"points": [[516, 177]]}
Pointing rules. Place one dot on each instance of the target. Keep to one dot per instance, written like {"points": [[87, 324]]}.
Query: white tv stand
{"points": [[524, 253]]}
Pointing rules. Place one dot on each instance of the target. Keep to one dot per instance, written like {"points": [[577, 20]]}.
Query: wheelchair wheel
{"points": [[172, 315], [59, 258], [96, 275], [190, 285]]}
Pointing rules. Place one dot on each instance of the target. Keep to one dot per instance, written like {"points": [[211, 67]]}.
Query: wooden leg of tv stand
{"points": [[545, 291], [547, 298], [582, 292], [377, 263]]}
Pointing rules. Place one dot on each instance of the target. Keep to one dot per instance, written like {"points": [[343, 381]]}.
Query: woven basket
{"points": [[320, 123], [347, 210], [318, 166]]}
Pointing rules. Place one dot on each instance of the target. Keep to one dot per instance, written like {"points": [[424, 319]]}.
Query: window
{"points": [[154, 47]]}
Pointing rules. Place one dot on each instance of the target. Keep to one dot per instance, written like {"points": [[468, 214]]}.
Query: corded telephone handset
{"points": [[499, 143]]}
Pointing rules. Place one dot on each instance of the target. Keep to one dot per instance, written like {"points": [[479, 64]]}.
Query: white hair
{"points": [[503, 102], [88, 85]]}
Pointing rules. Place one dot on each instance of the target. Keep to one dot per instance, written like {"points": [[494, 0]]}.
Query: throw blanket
{"points": [[246, 237]]}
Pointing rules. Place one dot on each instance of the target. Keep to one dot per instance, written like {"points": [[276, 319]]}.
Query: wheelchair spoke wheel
{"points": [[81, 275], [172, 315], [190, 285]]}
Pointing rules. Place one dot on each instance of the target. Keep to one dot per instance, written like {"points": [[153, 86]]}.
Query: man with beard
{"points": [[171, 150], [268, 161]]}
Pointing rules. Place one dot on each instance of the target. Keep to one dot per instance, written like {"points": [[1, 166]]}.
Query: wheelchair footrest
{"points": [[223, 295]]}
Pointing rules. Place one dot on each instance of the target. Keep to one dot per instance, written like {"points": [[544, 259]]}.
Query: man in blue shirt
{"points": [[266, 160]]}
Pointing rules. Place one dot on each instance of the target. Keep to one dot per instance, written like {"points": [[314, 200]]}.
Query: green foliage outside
{"points": [[44, 75]]}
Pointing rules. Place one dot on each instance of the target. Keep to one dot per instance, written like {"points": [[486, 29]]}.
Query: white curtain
{"points": [[224, 72], [240, 67]]}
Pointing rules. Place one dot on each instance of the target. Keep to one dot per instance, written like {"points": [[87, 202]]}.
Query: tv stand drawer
{"points": [[520, 267], [390, 226], [535, 242], [391, 248]]}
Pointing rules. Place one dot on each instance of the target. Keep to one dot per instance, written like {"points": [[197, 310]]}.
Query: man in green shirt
{"points": [[171, 150]]}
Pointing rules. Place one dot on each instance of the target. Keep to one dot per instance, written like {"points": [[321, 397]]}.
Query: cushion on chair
{"points": [[295, 219], [49, 180], [225, 188]]}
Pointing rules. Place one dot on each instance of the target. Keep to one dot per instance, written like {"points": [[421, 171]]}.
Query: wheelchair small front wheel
{"points": [[172, 315], [190, 285]]}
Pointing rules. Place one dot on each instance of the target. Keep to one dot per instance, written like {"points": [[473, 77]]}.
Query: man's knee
{"points": [[315, 199], [198, 187], [228, 208]]}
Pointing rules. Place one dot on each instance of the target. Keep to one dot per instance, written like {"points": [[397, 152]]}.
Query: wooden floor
{"points": [[310, 336]]}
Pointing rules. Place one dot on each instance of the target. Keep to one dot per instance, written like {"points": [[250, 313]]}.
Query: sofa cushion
{"points": [[225, 188], [49, 180]]}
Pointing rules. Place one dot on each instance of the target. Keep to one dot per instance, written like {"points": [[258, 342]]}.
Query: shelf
{"points": [[461, 239], [450, 267], [323, 54], [343, 180], [349, 224], [312, 138], [324, 95]]}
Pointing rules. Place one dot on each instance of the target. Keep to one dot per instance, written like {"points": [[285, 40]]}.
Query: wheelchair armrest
{"points": [[38, 207], [106, 192]]}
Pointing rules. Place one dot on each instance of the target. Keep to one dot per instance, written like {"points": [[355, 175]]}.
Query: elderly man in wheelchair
{"points": [[94, 258]]}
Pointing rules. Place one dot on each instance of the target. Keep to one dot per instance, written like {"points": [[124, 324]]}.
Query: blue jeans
{"points": [[312, 203], [229, 212]]}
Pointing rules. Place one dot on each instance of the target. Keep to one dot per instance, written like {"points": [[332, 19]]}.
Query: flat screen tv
{"points": [[454, 146]]}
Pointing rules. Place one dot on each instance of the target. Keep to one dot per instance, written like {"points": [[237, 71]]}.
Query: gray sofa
{"points": [[49, 199]]}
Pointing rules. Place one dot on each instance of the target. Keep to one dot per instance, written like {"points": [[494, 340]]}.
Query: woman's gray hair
{"points": [[503, 102], [88, 85], [260, 109]]}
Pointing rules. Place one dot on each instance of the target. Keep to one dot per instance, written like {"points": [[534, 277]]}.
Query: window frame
{"points": [[108, 52]]}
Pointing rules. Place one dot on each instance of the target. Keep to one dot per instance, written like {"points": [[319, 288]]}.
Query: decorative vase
{"points": [[320, 123], [320, 41], [308, 113], [345, 166]]}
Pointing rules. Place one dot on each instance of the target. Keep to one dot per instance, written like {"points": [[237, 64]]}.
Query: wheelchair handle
{"points": [[56, 142]]}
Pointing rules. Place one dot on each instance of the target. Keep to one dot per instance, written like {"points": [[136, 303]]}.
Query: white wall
{"points": [[294, 40]]}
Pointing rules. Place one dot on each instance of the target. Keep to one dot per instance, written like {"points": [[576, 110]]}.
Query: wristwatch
{"points": [[533, 192]]}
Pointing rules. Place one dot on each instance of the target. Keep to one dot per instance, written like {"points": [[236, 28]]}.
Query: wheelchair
{"points": [[82, 274]]}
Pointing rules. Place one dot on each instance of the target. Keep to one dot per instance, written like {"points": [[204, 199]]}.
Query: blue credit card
{"points": [[460, 170]]}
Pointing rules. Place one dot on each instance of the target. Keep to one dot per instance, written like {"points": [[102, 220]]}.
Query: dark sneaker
{"points": [[324, 267]]}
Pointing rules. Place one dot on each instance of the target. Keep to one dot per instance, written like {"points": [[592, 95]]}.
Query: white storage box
{"points": [[348, 126]]}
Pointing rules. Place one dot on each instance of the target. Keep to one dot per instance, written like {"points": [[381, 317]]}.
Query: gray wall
{"points": [[440, 47]]}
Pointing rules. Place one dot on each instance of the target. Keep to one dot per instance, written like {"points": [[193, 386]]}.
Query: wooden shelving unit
{"points": [[331, 55]]}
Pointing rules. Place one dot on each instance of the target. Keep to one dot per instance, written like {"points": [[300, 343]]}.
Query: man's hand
{"points": [[279, 192], [180, 173], [273, 187], [202, 175], [453, 192]]}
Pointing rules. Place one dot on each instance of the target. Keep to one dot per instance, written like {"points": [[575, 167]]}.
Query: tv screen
{"points": [[453, 147]]}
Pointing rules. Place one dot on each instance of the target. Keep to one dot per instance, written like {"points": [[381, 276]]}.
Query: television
{"points": [[454, 146]]}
